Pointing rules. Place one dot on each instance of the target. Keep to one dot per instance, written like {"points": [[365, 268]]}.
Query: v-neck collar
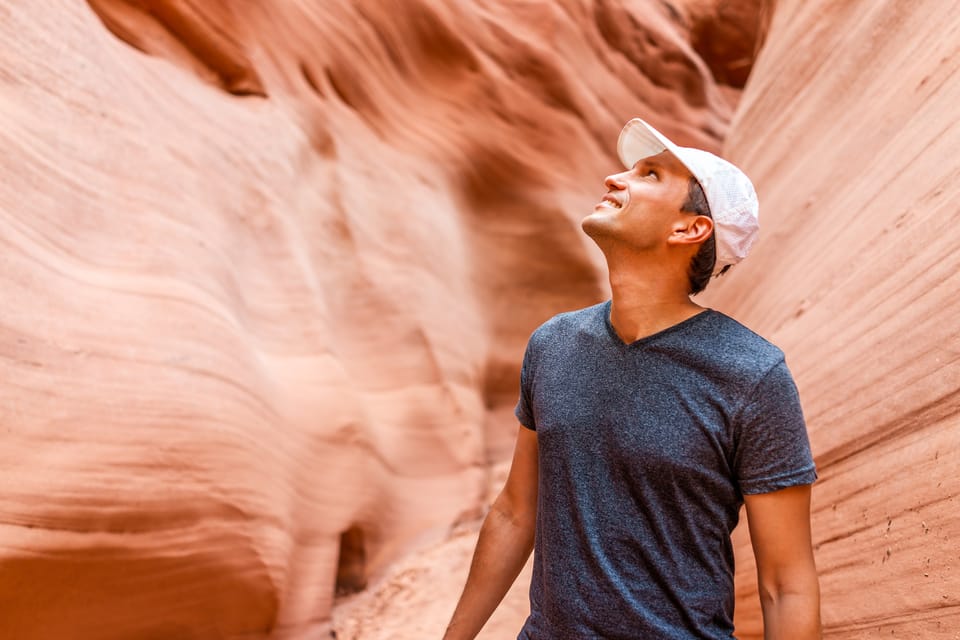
{"points": [[697, 317]]}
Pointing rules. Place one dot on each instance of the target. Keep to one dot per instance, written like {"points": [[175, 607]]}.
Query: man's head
{"points": [[676, 203]]}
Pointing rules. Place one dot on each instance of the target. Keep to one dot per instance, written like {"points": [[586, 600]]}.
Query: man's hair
{"points": [[703, 262]]}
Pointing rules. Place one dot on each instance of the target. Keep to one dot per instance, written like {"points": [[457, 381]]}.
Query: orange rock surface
{"points": [[268, 271], [849, 128]]}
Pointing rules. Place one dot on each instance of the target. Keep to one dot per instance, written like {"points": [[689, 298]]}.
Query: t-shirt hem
{"points": [[807, 475], [525, 421]]}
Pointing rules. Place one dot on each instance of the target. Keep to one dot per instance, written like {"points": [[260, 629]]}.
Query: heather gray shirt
{"points": [[646, 450]]}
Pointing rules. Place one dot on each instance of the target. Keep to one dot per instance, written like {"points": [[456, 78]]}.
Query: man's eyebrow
{"points": [[647, 162]]}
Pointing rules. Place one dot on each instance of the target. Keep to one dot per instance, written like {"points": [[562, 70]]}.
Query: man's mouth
{"points": [[609, 201]]}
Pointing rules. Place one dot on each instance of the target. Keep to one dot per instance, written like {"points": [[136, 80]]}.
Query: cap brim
{"points": [[638, 140]]}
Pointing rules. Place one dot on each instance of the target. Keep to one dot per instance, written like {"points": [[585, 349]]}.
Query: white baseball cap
{"points": [[730, 194]]}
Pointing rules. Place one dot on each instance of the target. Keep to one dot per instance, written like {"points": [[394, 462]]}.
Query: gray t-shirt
{"points": [[646, 450]]}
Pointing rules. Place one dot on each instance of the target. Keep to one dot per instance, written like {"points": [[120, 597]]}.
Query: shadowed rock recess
{"points": [[269, 268]]}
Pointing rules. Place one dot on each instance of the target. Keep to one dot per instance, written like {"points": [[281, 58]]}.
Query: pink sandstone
{"points": [[268, 269], [848, 126]]}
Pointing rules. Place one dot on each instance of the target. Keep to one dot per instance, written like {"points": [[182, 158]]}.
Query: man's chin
{"points": [[596, 224]]}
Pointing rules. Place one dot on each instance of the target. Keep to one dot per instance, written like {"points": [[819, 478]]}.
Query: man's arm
{"points": [[506, 540], [787, 576]]}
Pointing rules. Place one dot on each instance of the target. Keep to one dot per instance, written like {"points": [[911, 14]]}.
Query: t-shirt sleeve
{"points": [[773, 449], [524, 409]]}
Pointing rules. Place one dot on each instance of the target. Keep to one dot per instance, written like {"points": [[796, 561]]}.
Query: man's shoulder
{"points": [[741, 347], [572, 321], [736, 331]]}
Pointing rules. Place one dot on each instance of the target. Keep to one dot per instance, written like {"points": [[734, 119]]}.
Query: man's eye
{"points": [[653, 173]]}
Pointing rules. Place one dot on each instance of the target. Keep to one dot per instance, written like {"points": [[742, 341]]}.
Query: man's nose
{"points": [[614, 181]]}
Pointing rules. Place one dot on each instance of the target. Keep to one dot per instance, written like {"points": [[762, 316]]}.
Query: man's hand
{"points": [[506, 540], [786, 573]]}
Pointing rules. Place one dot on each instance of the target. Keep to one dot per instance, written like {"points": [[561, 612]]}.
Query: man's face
{"points": [[641, 204]]}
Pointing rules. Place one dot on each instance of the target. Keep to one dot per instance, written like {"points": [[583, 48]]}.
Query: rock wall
{"points": [[268, 270], [849, 127]]}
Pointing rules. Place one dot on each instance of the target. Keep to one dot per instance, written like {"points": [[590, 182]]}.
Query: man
{"points": [[646, 422]]}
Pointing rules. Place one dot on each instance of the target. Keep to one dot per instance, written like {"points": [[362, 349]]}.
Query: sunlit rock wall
{"points": [[849, 126], [267, 273]]}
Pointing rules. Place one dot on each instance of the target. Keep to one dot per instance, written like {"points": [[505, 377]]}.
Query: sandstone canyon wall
{"points": [[850, 128], [268, 269]]}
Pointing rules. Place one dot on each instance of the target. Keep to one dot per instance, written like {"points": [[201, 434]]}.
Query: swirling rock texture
{"points": [[268, 270], [849, 126]]}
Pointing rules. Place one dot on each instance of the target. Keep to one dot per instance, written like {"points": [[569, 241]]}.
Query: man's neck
{"points": [[647, 301]]}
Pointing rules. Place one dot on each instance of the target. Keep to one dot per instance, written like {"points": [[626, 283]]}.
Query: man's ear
{"points": [[690, 230]]}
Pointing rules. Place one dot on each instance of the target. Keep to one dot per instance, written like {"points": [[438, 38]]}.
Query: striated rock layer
{"points": [[268, 270], [849, 126]]}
